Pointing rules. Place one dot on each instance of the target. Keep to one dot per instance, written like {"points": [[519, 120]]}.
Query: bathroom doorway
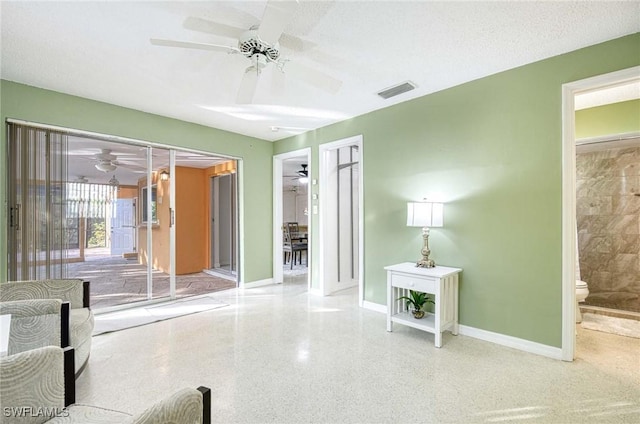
{"points": [[600, 217]]}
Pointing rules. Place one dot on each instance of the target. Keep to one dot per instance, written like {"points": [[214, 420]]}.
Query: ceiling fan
{"points": [[261, 45], [303, 173], [108, 162]]}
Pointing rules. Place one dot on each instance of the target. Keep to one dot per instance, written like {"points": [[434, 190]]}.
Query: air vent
{"points": [[396, 90]]}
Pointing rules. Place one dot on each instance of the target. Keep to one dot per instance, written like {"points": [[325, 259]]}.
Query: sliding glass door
{"points": [[121, 215], [38, 236]]}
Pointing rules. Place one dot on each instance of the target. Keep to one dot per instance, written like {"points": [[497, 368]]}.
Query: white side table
{"points": [[440, 281], [5, 329]]}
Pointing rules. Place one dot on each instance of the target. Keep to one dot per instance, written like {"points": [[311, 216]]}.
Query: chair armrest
{"points": [[184, 406], [33, 379], [68, 290], [206, 404], [36, 323]]}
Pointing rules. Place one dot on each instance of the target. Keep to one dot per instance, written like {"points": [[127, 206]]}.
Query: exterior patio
{"points": [[116, 280]]}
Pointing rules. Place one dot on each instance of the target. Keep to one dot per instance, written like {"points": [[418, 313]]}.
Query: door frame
{"points": [[325, 233], [569, 91], [148, 144], [278, 214]]}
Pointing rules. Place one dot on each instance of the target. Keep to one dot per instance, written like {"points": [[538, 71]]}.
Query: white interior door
{"points": [[123, 227], [341, 219]]}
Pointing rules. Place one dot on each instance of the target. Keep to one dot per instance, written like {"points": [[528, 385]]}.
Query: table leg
{"points": [[454, 331], [390, 303], [438, 308]]}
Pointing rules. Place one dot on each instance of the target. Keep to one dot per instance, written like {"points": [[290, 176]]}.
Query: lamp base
{"points": [[425, 263]]}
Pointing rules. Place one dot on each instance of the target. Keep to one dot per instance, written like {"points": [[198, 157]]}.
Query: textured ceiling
{"points": [[101, 50]]}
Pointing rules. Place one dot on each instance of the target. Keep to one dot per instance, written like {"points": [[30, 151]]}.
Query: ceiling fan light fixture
{"points": [[105, 166], [303, 172]]}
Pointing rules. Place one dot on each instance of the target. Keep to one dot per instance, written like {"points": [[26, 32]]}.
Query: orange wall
{"points": [[191, 219], [127, 192], [193, 232]]}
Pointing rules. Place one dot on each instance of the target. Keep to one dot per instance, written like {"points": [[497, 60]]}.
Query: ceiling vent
{"points": [[396, 90]]}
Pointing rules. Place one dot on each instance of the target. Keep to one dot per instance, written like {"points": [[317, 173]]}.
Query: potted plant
{"points": [[417, 300]]}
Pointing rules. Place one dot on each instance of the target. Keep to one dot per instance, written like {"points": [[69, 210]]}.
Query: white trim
{"points": [[512, 342], [278, 213], [114, 138], [322, 153], [374, 307], [257, 283], [609, 137], [172, 222], [569, 91]]}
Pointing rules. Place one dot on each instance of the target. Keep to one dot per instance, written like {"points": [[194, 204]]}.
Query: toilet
{"points": [[582, 291]]}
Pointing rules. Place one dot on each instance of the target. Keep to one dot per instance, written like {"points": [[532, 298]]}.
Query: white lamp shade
{"points": [[425, 214]]}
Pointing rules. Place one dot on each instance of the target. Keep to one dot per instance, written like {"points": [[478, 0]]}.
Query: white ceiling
{"points": [[101, 50]]}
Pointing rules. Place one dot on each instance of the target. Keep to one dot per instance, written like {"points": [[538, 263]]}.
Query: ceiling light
{"points": [[105, 166]]}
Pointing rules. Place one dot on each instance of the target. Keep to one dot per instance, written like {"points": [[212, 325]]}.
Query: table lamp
{"points": [[425, 215]]}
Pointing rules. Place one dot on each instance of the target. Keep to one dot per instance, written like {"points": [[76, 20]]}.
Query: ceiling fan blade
{"points": [[276, 16], [312, 76], [294, 43], [190, 45], [210, 27], [247, 86]]}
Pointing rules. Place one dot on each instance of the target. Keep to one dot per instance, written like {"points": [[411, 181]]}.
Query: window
{"points": [[154, 212]]}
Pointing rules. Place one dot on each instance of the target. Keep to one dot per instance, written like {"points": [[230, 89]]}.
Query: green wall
{"points": [[42, 106], [492, 149], [615, 118]]}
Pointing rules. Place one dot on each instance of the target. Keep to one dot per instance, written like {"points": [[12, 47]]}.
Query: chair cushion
{"points": [[69, 290], [86, 414], [81, 324], [33, 379], [34, 323], [183, 406]]}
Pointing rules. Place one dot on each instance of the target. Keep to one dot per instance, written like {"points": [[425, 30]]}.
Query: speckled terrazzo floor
{"points": [[279, 355]]}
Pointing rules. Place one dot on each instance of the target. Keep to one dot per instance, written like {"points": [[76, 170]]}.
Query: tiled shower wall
{"points": [[608, 216]]}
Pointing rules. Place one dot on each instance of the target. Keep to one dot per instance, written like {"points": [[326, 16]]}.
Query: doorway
{"points": [[292, 203], [123, 227], [569, 209], [341, 216], [223, 227]]}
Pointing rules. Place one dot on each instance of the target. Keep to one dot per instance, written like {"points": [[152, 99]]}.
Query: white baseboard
{"points": [[258, 283], [512, 342], [374, 307]]}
